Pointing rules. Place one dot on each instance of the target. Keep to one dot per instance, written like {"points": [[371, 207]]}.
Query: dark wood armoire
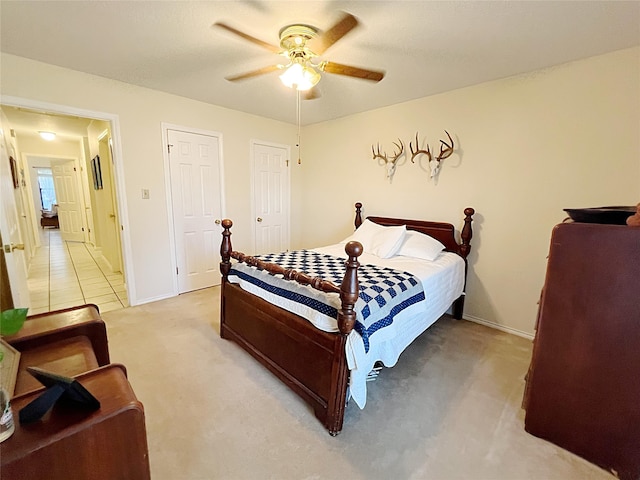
{"points": [[583, 385]]}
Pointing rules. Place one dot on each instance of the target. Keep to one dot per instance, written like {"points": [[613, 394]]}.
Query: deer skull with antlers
{"points": [[389, 163], [434, 163]]}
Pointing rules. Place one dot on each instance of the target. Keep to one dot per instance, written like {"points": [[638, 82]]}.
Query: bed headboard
{"points": [[443, 232]]}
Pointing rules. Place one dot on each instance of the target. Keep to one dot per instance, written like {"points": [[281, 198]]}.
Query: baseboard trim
{"points": [[497, 326], [153, 299]]}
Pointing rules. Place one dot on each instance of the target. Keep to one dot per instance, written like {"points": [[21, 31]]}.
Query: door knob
{"points": [[218, 222], [258, 219], [13, 246]]}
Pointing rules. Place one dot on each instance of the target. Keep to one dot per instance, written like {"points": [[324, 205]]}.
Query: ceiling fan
{"points": [[303, 45]]}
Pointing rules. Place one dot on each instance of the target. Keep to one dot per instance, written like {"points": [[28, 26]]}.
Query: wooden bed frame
{"points": [[310, 361]]}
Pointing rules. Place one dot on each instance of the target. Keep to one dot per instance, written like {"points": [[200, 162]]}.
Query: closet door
{"points": [[196, 195]]}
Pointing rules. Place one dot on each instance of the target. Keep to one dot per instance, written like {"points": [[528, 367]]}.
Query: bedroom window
{"points": [[47, 190]]}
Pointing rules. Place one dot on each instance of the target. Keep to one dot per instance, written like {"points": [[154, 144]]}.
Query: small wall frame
{"points": [[14, 172], [96, 172]]}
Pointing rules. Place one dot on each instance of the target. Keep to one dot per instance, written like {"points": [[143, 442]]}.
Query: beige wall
{"points": [[140, 112], [33, 144], [527, 147]]}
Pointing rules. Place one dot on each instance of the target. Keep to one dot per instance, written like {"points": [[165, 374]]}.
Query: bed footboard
{"points": [[310, 361]]}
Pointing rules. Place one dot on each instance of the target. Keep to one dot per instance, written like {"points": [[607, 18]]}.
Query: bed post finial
{"points": [[349, 289], [358, 214], [467, 232], [225, 248]]}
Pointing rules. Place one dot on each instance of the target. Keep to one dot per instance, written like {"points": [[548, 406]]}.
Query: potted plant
{"points": [[11, 321]]}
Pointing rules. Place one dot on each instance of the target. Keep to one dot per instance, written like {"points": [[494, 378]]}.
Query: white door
{"points": [[26, 223], [70, 209], [196, 195], [111, 247], [271, 197], [85, 187], [10, 232]]}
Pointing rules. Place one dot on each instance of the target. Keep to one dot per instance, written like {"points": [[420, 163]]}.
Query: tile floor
{"points": [[65, 274]]}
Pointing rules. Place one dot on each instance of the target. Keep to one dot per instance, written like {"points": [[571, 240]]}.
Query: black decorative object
{"points": [[608, 215], [59, 388], [96, 172]]}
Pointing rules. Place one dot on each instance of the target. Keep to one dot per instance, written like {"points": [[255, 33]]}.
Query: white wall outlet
{"points": [[145, 194]]}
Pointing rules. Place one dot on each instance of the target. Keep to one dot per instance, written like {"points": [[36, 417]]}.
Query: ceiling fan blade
{"points": [[349, 71], [311, 94], [268, 46], [253, 73], [347, 23]]}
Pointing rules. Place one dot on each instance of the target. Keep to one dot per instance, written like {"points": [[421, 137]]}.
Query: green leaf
{"points": [[12, 320]]}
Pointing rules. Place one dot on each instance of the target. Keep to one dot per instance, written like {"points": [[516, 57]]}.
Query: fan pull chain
{"points": [[298, 118]]}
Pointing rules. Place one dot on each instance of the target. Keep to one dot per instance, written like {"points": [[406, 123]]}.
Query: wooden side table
{"points": [[67, 444]]}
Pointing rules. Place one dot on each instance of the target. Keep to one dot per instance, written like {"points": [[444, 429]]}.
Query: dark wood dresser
{"points": [[583, 385]]}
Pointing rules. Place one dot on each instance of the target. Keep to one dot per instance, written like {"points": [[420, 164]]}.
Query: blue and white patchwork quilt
{"points": [[384, 292]]}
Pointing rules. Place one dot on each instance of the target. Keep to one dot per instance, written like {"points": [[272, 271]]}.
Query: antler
{"points": [[445, 152], [394, 158], [378, 154], [400, 151], [427, 152], [445, 149]]}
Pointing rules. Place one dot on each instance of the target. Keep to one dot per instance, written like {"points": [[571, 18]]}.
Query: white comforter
{"points": [[443, 282]]}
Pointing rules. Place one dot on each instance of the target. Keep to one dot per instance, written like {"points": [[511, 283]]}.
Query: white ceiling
{"points": [[425, 47], [29, 122]]}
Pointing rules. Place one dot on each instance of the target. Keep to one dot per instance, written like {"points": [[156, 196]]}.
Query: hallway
{"points": [[65, 274]]}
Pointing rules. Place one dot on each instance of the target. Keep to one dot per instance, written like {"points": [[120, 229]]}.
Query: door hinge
{"points": [[176, 270], [169, 147]]}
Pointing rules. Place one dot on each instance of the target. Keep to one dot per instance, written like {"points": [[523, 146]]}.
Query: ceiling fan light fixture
{"points": [[48, 136], [301, 77], [293, 36]]}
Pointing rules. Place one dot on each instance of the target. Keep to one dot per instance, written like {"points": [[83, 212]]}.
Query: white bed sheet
{"points": [[442, 281]]}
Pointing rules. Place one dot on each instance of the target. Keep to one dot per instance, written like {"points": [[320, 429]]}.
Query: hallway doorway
{"points": [[63, 273]]}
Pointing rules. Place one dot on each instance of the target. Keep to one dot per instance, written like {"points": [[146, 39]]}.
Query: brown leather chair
{"points": [[67, 342], [67, 443]]}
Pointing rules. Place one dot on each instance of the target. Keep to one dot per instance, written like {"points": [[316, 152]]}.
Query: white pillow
{"points": [[364, 234], [377, 239], [387, 242], [419, 245]]}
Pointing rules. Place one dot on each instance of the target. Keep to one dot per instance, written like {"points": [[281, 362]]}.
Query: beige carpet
{"points": [[450, 408]]}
